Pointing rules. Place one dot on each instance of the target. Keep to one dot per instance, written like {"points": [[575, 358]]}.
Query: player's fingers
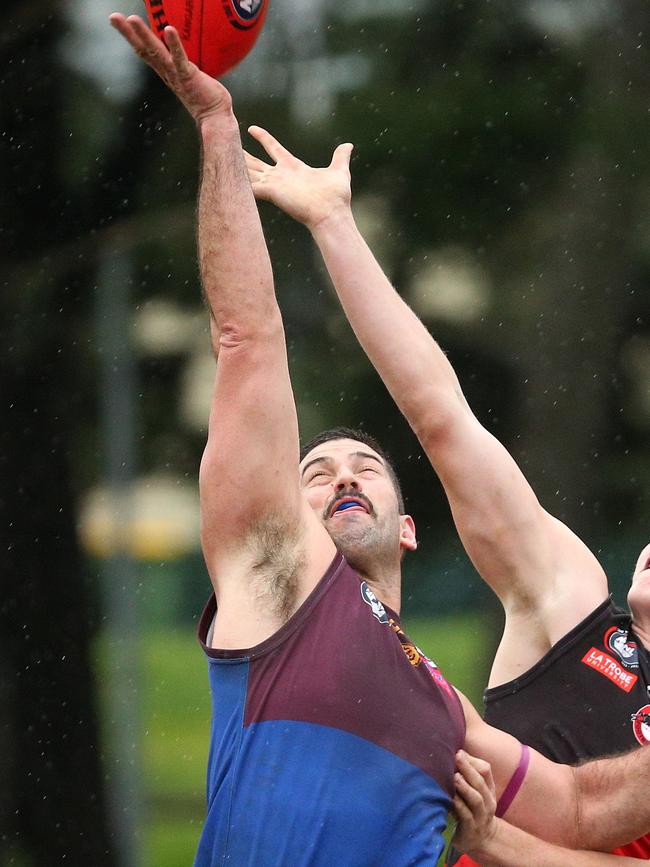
{"points": [[473, 769], [341, 156], [462, 811], [472, 797], [122, 25], [476, 774], [147, 45], [481, 767], [485, 770], [270, 144], [255, 163], [260, 190], [177, 51]]}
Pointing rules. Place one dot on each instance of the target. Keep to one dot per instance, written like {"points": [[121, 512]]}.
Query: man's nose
{"points": [[346, 479]]}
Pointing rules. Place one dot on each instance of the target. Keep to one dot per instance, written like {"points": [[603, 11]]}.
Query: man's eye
{"points": [[319, 474], [369, 470]]}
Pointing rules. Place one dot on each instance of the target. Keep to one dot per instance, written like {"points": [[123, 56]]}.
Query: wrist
{"points": [[340, 218], [491, 844], [218, 124]]}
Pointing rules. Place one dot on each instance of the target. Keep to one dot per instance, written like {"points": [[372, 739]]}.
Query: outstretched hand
{"points": [[202, 95], [307, 194], [474, 803]]}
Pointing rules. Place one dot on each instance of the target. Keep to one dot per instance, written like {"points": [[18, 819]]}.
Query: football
{"points": [[217, 34]]}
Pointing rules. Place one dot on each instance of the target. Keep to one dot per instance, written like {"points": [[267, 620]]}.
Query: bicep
{"points": [[249, 470]]}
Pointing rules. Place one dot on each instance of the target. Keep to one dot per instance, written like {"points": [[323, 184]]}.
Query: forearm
{"points": [[397, 343], [510, 847], [234, 262], [614, 808]]}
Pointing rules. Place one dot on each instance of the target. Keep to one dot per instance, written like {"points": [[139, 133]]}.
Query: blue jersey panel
{"points": [[229, 696], [358, 806]]}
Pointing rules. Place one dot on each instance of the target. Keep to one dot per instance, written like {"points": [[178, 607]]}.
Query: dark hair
{"points": [[348, 433]]}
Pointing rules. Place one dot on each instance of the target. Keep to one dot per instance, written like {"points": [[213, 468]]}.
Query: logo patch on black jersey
{"points": [[641, 724], [610, 668], [370, 599], [615, 639]]}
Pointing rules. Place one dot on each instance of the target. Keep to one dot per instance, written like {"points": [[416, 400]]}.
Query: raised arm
{"points": [[532, 561], [599, 805], [263, 547], [493, 842]]}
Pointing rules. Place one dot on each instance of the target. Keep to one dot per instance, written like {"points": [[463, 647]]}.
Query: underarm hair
{"points": [[279, 557]]}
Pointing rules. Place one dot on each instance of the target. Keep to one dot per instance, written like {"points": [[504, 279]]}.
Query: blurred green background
{"points": [[501, 175]]}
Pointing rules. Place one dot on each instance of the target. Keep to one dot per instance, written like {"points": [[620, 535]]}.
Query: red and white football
{"points": [[217, 34]]}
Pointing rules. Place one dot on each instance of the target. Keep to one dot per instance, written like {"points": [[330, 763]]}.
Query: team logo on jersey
{"points": [[641, 724], [609, 667], [415, 656], [616, 640], [370, 599], [435, 672], [412, 653]]}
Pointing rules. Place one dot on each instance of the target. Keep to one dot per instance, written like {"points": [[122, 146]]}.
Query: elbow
{"points": [[235, 332], [435, 419]]}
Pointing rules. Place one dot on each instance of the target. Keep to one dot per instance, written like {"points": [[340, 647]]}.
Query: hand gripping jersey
{"points": [[333, 742], [587, 697]]}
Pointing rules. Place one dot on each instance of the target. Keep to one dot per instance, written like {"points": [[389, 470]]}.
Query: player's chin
{"points": [[638, 597]]}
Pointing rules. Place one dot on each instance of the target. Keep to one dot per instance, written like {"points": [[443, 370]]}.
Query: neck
{"points": [[641, 630], [387, 588]]}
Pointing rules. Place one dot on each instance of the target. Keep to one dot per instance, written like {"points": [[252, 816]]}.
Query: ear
{"points": [[407, 538]]}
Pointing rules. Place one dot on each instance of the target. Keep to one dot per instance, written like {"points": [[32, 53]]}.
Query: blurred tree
{"points": [[519, 134], [60, 198], [52, 808]]}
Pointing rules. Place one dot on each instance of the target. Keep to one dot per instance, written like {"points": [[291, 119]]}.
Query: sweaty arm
{"points": [[255, 528], [599, 805], [493, 842], [520, 550]]}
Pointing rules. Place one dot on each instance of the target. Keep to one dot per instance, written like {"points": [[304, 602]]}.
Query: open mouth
{"points": [[348, 504]]}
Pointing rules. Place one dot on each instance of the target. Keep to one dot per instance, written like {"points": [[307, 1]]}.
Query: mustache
{"points": [[341, 495]]}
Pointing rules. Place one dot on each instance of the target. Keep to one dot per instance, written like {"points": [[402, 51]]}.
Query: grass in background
{"points": [[175, 717], [461, 645]]}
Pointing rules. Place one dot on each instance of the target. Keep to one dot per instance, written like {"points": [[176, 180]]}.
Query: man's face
{"points": [[350, 489], [638, 597]]}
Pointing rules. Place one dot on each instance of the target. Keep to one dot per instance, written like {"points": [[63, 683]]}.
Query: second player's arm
{"points": [[599, 805], [518, 548], [493, 842]]}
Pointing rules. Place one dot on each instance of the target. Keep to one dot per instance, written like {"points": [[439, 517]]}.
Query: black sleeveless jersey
{"points": [[589, 696]]}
